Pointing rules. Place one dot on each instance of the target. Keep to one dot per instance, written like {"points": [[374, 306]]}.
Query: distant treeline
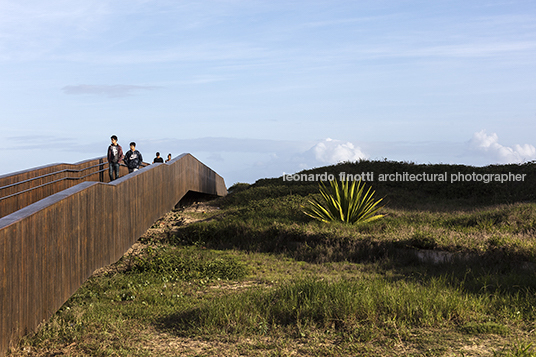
{"points": [[402, 181]]}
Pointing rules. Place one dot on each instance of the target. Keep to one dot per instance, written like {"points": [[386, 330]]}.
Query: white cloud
{"points": [[332, 151], [489, 144]]}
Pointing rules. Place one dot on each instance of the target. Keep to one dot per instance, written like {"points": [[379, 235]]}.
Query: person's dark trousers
{"points": [[113, 168]]}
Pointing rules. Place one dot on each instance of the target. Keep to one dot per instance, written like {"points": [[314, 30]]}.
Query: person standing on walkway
{"points": [[158, 158], [133, 158], [115, 155]]}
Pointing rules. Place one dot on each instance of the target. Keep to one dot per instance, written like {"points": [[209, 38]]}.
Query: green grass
{"points": [[260, 278], [346, 306], [379, 307], [277, 225], [178, 264]]}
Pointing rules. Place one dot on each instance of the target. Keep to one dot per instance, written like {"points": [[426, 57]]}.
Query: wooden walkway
{"points": [[63, 230]]}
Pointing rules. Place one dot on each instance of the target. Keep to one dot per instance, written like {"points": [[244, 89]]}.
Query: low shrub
{"points": [[188, 264]]}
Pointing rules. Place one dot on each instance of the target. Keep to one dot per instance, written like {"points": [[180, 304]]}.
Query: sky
{"points": [[256, 89]]}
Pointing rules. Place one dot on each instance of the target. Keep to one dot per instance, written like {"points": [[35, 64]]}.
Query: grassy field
{"points": [[251, 275]]}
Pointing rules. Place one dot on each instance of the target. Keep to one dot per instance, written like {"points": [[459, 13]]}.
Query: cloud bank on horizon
{"points": [[247, 160], [489, 144], [481, 150]]}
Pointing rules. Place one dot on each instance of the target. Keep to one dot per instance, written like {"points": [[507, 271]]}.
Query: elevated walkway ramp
{"points": [[50, 247]]}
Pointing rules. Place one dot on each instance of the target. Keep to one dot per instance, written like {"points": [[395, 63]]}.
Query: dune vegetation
{"points": [[449, 270]]}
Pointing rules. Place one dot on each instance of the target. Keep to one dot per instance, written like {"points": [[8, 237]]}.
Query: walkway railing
{"points": [[48, 249], [21, 189]]}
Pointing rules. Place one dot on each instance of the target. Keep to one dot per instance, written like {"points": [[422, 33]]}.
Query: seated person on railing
{"points": [[115, 155], [158, 158], [133, 158]]}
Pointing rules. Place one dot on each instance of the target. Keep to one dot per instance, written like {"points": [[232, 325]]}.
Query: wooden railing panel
{"points": [[52, 169], [49, 248], [6, 315], [23, 188]]}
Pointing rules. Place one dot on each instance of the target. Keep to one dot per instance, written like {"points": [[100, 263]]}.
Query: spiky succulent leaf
{"points": [[347, 202]]}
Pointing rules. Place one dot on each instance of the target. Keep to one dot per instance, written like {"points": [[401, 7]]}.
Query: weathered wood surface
{"points": [[20, 189], [23, 188], [50, 248]]}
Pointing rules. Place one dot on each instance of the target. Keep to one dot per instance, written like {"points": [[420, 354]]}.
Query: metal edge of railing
{"points": [[51, 174], [55, 173], [49, 165]]}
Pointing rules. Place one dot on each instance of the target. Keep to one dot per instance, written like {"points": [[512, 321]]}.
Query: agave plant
{"points": [[347, 202]]}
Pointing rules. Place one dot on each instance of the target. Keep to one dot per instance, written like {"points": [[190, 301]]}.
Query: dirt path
{"points": [[161, 229]]}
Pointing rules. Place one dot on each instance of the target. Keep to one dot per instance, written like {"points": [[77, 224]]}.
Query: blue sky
{"points": [[257, 88]]}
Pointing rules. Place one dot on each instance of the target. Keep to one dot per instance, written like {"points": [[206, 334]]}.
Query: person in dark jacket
{"points": [[158, 158], [133, 158], [115, 155]]}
